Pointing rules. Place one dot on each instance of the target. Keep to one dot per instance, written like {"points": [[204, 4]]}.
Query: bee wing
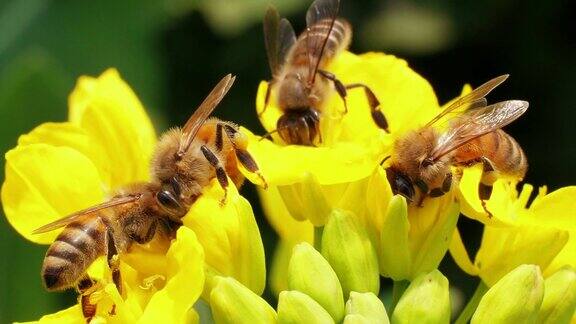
{"points": [[474, 100], [85, 212], [197, 119], [279, 37], [477, 122], [319, 10]]}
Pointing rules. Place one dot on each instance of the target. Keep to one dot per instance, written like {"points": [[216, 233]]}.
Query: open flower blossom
{"points": [[60, 168], [541, 233]]}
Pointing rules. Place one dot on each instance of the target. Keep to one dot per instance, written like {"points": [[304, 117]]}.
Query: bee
{"points": [[184, 162], [299, 72], [423, 158]]}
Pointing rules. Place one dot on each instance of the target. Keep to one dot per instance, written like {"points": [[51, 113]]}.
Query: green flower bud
{"points": [[365, 308], [295, 307], [426, 300], [395, 259], [355, 262], [515, 298], [231, 302], [559, 301], [311, 274]]}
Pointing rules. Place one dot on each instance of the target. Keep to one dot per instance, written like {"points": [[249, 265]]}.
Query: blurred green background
{"points": [[172, 51]]}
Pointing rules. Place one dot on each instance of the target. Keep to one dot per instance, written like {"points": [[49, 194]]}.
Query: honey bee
{"points": [[423, 158], [184, 162], [299, 73]]}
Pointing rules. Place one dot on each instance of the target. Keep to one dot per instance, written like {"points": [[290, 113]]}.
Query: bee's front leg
{"points": [[220, 171]]}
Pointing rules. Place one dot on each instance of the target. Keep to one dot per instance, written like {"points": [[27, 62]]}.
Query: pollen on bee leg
{"points": [[148, 282]]}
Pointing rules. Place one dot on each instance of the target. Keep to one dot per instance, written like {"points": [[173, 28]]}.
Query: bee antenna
{"points": [[385, 159]]}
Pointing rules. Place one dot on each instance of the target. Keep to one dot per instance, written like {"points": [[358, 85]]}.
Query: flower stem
{"points": [[318, 231], [470, 308], [398, 289]]}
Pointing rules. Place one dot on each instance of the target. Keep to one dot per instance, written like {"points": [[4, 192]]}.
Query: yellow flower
{"points": [[308, 183], [60, 168], [167, 295], [543, 233]]}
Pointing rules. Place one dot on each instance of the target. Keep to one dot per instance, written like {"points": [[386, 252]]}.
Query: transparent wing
{"points": [[477, 122], [197, 119], [287, 38], [473, 100], [85, 212], [279, 37], [271, 32], [318, 11]]}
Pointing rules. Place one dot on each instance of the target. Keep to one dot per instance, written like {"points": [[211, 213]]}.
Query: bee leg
{"points": [[239, 143], [86, 287], [220, 171], [485, 186], [114, 265], [446, 184], [374, 103], [338, 85]]}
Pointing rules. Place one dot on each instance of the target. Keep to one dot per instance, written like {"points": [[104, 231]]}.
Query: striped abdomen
{"points": [[74, 250], [500, 149], [338, 40]]}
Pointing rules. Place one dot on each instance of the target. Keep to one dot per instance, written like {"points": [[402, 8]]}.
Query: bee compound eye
{"points": [[400, 184], [167, 200]]}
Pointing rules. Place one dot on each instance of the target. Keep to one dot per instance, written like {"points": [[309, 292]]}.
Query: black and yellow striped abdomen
{"points": [[73, 251]]}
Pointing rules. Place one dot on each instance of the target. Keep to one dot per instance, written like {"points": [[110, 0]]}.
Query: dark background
{"points": [[172, 51]]}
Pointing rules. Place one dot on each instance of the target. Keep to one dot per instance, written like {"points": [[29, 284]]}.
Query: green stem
{"points": [[318, 231], [470, 308], [398, 289]]}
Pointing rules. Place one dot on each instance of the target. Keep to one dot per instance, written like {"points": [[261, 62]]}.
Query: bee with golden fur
{"points": [[299, 73], [423, 158], [184, 162]]}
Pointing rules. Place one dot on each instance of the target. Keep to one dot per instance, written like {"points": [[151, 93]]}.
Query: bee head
{"points": [[400, 184], [168, 197]]}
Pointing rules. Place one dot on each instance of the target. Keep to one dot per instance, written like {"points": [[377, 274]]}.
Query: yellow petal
{"points": [[69, 135], [109, 111], [556, 209], [567, 256], [69, 315], [460, 255], [230, 237], [44, 183], [278, 216], [504, 249], [185, 280], [431, 228], [406, 98], [285, 165]]}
